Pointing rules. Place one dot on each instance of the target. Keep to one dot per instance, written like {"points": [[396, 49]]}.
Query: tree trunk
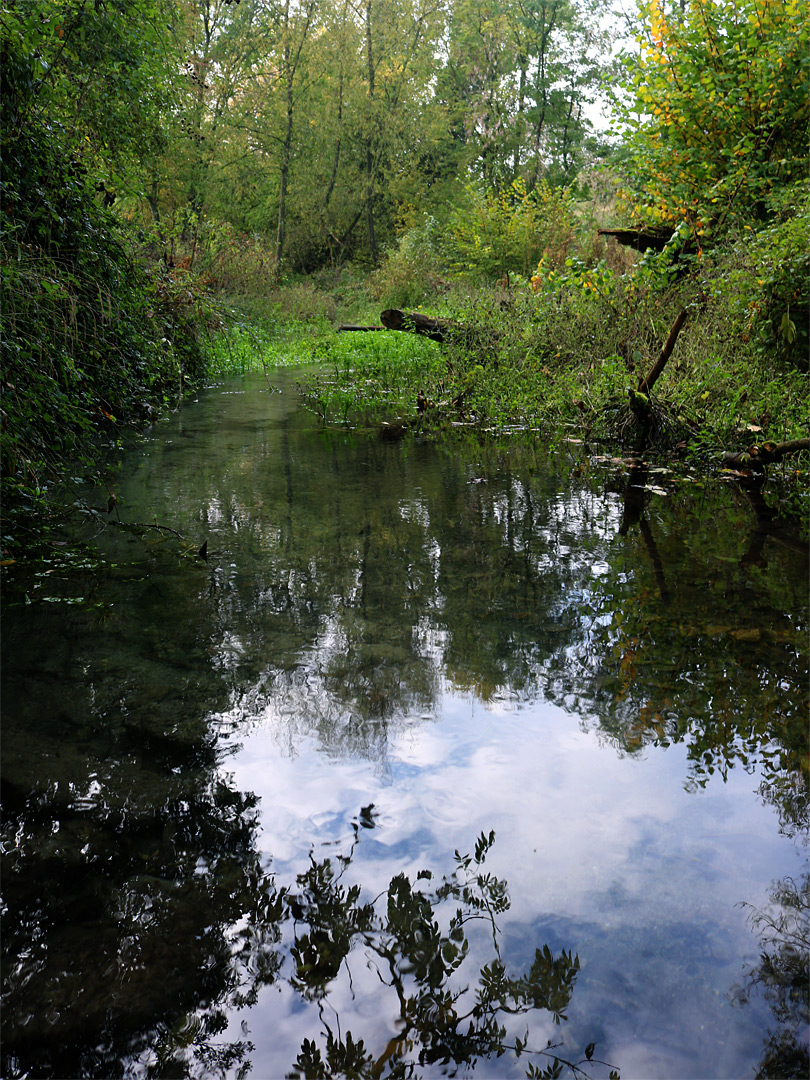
{"points": [[152, 199], [372, 239], [286, 150], [647, 383], [330, 187]]}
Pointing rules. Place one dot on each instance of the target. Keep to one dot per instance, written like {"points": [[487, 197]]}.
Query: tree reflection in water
{"points": [[441, 1021], [119, 938], [169, 961], [348, 583], [782, 976]]}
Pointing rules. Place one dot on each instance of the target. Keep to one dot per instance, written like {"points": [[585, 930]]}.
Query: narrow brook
{"points": [[249, 800]]}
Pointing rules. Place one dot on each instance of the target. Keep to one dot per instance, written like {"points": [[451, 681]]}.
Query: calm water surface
{"points": [[238, 793]]}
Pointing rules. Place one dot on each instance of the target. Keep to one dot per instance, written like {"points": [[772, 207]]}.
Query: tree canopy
{"points": [[715, 117], [322, 128]]}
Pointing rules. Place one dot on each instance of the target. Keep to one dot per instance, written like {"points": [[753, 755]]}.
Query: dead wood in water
{"points": [[757, 457], [647, 416], [633, 514]]}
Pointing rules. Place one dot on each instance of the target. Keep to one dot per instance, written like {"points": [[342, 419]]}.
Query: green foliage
{"points": [[514, 85], [230, 261], [91, 341], [98, 72], [371, 374], [410, 273], [491, 234], [595, 279], [238, 349], [559, 355], [779, 283], [717, 113]]}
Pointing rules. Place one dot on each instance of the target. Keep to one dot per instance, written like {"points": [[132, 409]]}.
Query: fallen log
{"points": [[351, 326], [415, 322], [758, 457], [441, 330], [641, 239]]}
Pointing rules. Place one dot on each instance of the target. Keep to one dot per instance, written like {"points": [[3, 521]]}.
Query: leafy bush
{"points": [[715, 111], [490, 234], [780, 268], [90, 341], [410, 274]]}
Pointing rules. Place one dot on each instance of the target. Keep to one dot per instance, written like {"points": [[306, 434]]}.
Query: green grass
{"points": [[380, 373]]}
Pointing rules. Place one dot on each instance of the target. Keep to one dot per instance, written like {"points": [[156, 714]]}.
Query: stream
{"points": [[442, 755]]}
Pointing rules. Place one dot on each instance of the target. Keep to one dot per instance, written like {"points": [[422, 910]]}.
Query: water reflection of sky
{"points": [[605, 855], [352, 591]]}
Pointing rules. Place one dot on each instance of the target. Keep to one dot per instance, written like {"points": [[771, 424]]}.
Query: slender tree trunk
{"points": [[295, 36], [286, 148], [566, 140], [519, 118], [152, 199], [542, 93], [330, 187], [372, 239], [197, 69]]}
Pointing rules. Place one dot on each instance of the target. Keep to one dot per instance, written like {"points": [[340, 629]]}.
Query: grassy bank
{"points": [[562, 353], [558, 353]]}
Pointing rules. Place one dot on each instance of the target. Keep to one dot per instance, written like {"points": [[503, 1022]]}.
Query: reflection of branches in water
{"points": [[134, 946], [782, 976], [786, 781], [768, 526], [673, 670], [439, 1021], [788, 789]]}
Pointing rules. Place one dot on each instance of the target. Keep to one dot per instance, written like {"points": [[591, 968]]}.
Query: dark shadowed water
{"points": [[239, 793]]}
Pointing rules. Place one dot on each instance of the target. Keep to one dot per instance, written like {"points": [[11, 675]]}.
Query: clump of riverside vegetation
{"points": [[558, 352], [561, 325], [171, 215], [92, 341]]}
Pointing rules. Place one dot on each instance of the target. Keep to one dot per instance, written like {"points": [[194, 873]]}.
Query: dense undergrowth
{"points": [[559, 352]]}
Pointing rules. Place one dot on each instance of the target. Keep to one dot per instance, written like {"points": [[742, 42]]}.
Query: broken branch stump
{"points": [[651, 377]]}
